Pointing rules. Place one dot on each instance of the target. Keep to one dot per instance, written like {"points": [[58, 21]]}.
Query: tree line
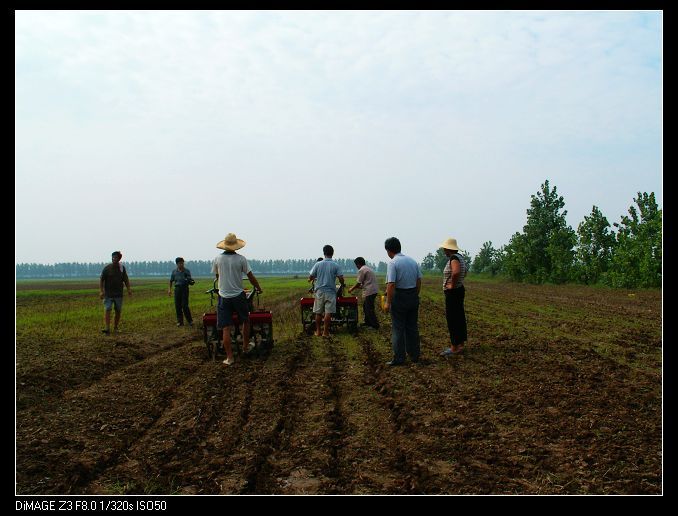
{"points": [[549, 250], [164, 268]]}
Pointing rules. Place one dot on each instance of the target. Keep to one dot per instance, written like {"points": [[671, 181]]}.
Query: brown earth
{"points": [[557, 392]]}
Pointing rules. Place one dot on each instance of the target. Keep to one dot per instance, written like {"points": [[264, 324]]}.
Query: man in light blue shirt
{"points": [[403, 283], [325, 273]]}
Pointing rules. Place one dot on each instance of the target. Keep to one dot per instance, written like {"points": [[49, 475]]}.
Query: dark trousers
{"points": [[405, 324], [181, 304], [368, 310], [455, 315]]}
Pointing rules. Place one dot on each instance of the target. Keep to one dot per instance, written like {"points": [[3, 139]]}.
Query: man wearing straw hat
{"points": [[230, 267], [453, 287]]}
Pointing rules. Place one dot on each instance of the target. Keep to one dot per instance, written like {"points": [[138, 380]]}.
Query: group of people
{"points": [[324, 275], [403, 286]]}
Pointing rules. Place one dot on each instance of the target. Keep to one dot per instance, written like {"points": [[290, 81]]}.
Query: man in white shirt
{"points": [[367, 281], [230, 267]]}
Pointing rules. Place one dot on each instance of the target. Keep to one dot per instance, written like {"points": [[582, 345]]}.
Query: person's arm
{"points": [[341, 280], [418, 285], [169, 290], [455, 272], [254, 281], [101, 287], [125, 279], [358, 282], [215, 269], [312, 275], [390, 290]]}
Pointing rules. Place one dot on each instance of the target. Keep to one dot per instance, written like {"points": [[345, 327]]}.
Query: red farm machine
{"points": [[261, 327], [346, 314]]}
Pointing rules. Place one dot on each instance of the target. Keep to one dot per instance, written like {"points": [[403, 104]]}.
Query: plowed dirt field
{"points": [[557, 392]]}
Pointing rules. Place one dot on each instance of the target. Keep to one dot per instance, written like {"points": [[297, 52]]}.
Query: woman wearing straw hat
{"points": [[453, 287], [229, 268]]}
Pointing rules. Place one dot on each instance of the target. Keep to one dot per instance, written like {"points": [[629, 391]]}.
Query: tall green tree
{"points": [[486, 260], [545, 249], [515, 258], [428, 263], [637, 258], [595, 245]]}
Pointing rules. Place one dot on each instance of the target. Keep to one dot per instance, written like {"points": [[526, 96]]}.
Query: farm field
{"points": [[558, 392]]}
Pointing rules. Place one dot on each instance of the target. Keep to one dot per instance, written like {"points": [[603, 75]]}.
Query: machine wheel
{"points": [[352, 319], [207, 342], [210, 344]]}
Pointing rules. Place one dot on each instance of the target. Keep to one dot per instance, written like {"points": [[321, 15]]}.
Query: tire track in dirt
{"points": [[100, 422], [258, 473], [413, 470], [178, 451], [336, 470]]}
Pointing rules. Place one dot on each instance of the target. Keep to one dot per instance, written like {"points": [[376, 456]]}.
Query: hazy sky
{"points": [[157, 133]]}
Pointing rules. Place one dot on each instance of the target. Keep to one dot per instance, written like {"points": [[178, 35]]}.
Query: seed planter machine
{"points": [[345, 316], [261, 327]]}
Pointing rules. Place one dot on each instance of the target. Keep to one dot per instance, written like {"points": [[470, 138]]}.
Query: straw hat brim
{"points": [[449, 245], [234, 247]]}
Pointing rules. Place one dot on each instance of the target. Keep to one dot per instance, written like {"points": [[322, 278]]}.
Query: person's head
{"points": [[328, 251], [392, 246], [359, 262], [180, 262], [450, 247], [116, 256]]}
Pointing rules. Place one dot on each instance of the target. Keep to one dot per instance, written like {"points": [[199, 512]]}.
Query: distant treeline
{"points": [[548, 250], [164, 268]]}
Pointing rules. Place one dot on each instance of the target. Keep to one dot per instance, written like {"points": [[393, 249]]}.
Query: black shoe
{"points": [[394, 363], [180, 324], [105, 331]]}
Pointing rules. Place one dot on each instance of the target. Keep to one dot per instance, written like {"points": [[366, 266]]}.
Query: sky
{"points": [[158, 132]]}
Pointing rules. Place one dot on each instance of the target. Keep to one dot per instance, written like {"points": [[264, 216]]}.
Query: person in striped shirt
{"points": [[453, 287]]}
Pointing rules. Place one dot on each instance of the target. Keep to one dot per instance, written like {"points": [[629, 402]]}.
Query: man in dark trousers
{"points": [[367, 281], [111, 282], [403, 283], [181, 277]]}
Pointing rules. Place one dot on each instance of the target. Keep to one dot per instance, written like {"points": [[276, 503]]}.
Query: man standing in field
{"points": [[324, 274], [111, 281], [403, 283], [181, 277], [367, 281], [230, 267]]}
